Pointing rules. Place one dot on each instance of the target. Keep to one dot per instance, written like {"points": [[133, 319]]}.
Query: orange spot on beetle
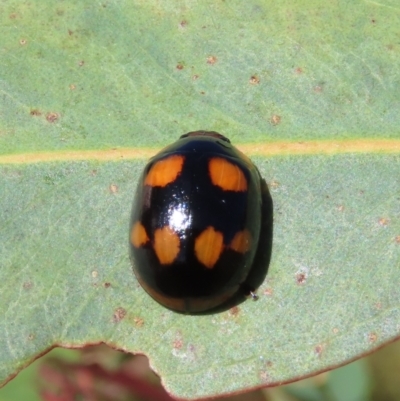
{"points": [[208, 247], [164, 171], [227, 175], [166, 245], [241, 241], [138, 235]]}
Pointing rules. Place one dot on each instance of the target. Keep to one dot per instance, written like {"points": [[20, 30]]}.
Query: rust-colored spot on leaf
{"points": [[35, 112], [113, 188], [119, 314], [27, 285], [254, 80], [107, 285], [139, 322], [275, 119], [274, 184], [301, 278], [372, 337], [23, 42], [234, 311], [318, 349], [179, 66], [268, 291], [52, 117], [178, 343], [383, 221], [211, 60], [397, 239], [264, 376]]}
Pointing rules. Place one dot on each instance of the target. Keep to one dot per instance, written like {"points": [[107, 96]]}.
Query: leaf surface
{"points": [[81, 79]]}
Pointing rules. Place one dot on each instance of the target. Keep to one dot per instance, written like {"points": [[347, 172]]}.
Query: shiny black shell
{"points": [[195, 222]]}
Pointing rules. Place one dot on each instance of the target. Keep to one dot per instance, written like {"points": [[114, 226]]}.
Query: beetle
{"points": [[195, 222]]}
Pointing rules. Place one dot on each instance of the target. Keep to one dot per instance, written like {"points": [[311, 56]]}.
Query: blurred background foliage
{"points": [[101, 373]]}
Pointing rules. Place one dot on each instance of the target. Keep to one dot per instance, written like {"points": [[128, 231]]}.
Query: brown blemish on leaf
{"points": [[81, 63], [113, 188], [23, 42], [27, 285], [107, 285], [372, 337], [378, 305], [179, 66], [383, 221], [335, 330], [119, 314], [95, 273], [183, 24], [52, 117], [70, 33], [373, 21], [275, 119], [318, 349], [268, 291], [298, 70], [254, 80], [234, 311], [264, 376], [72, 87], [340, 208], [13, 16], [318, 89], [274, 184], [301, 278], [31, 337], [194, 77], [139, 322], [35, 112], [178, 341], [202, 93], [211, 60], [397, 239]]}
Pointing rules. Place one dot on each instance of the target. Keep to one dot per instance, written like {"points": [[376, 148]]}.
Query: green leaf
{"points": [[80, 79]]}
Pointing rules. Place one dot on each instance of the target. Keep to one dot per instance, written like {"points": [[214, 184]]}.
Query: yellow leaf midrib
{"points": [[278, 148]]}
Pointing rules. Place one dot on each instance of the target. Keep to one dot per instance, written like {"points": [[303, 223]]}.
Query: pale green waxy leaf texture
{"points": [[87, 76]]}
